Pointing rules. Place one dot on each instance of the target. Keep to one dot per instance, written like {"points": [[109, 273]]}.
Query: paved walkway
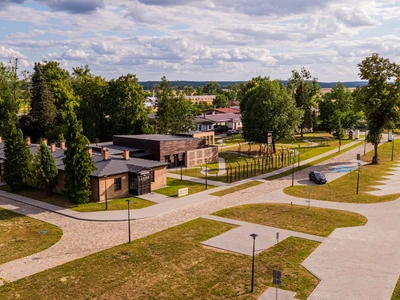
{"points": [[353, 263], [233, 240]]}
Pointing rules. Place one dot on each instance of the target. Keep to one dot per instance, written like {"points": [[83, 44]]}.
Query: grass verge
{"points": [[317, 221], [396, 292], [343, 189], [61, 200], [313, 163], [22, 236], [171, 264], [173, 185], [237, 188]]}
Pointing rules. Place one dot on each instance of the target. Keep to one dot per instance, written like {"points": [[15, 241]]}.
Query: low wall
{"points": [[199, 156]]}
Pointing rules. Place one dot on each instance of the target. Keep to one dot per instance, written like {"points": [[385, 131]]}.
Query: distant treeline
{"points": [[149, 85]]}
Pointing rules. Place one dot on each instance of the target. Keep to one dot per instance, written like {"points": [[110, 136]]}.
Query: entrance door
{"points": [[133, 184], [144, 184]]}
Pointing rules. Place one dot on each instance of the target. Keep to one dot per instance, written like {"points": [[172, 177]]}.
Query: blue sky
{"points": [[201, 39]]}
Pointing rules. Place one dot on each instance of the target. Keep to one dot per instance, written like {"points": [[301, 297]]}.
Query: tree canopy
{"points": [[268, 106], [380, 98]]}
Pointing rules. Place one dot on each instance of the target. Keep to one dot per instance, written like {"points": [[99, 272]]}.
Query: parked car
{"points": [[317, 177], [232, 131]]}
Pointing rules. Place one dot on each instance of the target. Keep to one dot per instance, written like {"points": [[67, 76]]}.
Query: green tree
{"points": [[188, 90], [379, 99], [304, 89], [43, 109], [174, 114], [17, 158], [8, 103], [127, 113], [220, 101], [78, 163], [337, 110], [268, 107], [44, 169], [93, 103], [212, 88]]}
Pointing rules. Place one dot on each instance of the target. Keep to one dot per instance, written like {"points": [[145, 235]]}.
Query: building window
{"points": [[117, 184]]}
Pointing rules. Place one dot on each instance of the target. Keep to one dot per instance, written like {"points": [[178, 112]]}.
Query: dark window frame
{"points": [[118, 184]]}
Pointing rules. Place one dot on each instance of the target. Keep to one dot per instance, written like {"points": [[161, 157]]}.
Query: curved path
{"points": [[353, 263]]}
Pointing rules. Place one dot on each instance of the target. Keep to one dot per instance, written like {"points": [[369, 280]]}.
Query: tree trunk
{"points": [[273, 146], [301, 131], [375, 159]]}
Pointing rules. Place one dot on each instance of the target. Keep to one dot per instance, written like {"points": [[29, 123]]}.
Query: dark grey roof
{"points": [[155, 137], [118, 165], [112, 149], [223, 117], [113, 166]]}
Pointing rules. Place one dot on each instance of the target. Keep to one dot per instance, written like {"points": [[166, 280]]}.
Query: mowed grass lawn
{"points": [[396, 292], [22, 236], [171, 264], [173, 185], [343, 189], [61, 200], [314, 220]]}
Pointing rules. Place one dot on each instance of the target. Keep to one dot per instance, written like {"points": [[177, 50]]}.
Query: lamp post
{"points": [[206, 172], [105, 183], [392, 147], [299, 157], [129, 221], [358, 176], [293, 159], [253, 235]]}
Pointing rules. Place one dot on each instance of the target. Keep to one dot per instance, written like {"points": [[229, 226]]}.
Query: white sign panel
{"points": [[183, 192]]}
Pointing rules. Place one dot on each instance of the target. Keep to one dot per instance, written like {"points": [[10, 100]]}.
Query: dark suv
{"points": [[317, 177]]}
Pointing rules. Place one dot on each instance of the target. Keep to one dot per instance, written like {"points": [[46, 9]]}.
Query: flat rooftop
{"points": [[154, 137]]}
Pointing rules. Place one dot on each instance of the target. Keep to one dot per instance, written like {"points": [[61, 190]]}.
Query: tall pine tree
{"points": [[43, 110], [78, 163], [17, 158], [44, 169]]}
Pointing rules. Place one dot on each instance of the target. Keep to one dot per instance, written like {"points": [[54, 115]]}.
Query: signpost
{"points": [[309, 197], [183, 192], [277, 280], [277, 237], [358, 176]]}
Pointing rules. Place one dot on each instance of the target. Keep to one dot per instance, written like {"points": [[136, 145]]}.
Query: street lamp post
{"points": [[299, 157], [293, 159], [358, 176], [253, 235], [129, 221], [206, 172], [392, 147], [105, 183]]}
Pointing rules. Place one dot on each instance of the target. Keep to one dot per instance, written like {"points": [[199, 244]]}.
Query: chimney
{"points": [[62, 144], [45, 141], [103, 148], [90, 152], [105, 154], [1, 139], [53, 147], [126, 155], [28, 140]]}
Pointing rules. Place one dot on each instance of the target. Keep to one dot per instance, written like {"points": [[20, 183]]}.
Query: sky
{"points": [[204, 40]]}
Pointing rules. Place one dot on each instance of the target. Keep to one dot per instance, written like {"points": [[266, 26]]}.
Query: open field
{"points": [[396, 292], [171, 264], [314, 220], [175, 184], [343, 189], [22, 236], [61, 200]]}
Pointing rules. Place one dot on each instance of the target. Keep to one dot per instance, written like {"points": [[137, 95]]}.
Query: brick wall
{"points": [[111, 193], [160, 178], [198, 157]]}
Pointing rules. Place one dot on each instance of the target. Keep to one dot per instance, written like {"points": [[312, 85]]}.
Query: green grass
{"points": [[22, 236], [313, 163], [396, 292], [343, 189], [237, 188], [314, 220], [61, 200], [173, 185], [171, 264]]}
